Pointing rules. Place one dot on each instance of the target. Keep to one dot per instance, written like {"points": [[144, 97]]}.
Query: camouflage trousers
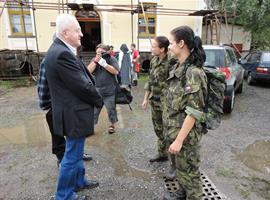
{"points": [[187, 163], [158, 127]]}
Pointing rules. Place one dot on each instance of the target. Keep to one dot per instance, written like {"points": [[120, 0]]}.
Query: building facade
{"points": [[26, 28]]}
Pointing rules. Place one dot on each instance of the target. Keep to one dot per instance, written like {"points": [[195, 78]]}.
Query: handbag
{"points": [[122, 95]]}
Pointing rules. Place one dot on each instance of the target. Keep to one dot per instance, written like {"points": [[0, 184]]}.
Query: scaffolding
{"points": [[63, 6]]}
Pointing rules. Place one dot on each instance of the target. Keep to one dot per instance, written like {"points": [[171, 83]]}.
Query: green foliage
{"points": [[254, 15]]}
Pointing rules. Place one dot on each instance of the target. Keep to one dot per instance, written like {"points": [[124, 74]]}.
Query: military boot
{"points": [[178, 195], [171, 175], [158, 158]]}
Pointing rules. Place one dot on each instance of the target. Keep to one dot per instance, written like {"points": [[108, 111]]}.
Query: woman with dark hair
{"points": [[183, 109], [158, 73]]}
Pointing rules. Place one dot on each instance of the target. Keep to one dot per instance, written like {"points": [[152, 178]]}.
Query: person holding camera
{"points": [[105, 68]]}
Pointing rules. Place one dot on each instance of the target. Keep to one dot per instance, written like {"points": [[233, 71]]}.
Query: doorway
{"points": [[91, 36], [90, 25]]}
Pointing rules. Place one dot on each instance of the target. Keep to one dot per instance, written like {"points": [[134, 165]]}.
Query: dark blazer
{"points": [[72, 90]]}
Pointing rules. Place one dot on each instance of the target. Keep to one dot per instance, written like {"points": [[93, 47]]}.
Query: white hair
{"points": [[62, 23]]}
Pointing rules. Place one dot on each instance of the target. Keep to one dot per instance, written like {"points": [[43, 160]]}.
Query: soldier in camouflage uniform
{"points": [[183, 108], [158, 73]]}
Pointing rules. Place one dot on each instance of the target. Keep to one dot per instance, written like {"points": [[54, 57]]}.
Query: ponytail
{"points": [[197, 54], [194, 43]]}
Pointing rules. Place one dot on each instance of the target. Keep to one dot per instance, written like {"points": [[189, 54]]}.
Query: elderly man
{"points": [[58, 142], [73, 98]]}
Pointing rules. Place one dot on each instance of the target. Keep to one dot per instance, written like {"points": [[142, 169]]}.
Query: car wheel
{"points": [[240, 88], [229, 104], [250, 80]]}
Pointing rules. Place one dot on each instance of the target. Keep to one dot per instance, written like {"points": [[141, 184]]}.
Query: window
{"points": [[228, 58], [20, 18], [254, 58], [266, 57], [214, 57], [150, 20], [231, 55]]}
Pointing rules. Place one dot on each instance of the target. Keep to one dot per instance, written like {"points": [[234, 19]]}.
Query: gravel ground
{"points": [[235, 157]]}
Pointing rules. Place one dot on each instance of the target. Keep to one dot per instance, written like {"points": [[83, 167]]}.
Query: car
{"points": [[223, 58], [257, 66]]}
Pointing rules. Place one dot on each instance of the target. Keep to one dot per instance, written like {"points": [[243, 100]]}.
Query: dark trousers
{"points": [[58, 142], [109, 102]]}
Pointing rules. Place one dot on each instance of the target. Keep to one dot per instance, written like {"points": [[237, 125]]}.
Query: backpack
{"points": [[213, 110]]}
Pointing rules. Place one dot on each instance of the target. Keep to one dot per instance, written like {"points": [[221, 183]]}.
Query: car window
{"points": [[266, 57], [228, 58], [214, 57], [232, 55], [255, 57]]}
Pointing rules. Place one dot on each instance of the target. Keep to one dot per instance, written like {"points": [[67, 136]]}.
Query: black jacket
{"points": [[72, 90]]}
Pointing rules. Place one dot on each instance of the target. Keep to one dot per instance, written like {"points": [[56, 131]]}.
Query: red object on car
{"points": [[226, 71], [263, 70]]}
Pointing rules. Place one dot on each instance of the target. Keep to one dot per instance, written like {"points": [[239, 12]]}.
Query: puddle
{"points": [[256, 156], [33, 132], [115, 147]]}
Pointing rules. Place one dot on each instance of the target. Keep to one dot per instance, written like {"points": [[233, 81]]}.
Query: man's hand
{"points": [[175, 147]]}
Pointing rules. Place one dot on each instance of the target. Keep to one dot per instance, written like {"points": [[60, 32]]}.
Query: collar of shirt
{"points": [[162, 60], [72, 49]]}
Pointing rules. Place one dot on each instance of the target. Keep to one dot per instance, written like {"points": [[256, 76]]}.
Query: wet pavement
{"points": [[256, 156], [235, 157]]}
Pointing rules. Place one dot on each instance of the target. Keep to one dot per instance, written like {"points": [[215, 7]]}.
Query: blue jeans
{"points": [[72, 171]]}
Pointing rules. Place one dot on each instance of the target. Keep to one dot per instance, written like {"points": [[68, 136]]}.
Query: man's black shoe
{"points": [[159, 159], [87, 157], [89, 184]]}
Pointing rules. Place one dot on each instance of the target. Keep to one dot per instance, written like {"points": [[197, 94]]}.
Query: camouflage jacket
{"points": [[158, 73], [182, 100]]}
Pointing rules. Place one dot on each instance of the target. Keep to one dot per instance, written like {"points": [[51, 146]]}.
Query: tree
{"points": [[253, 15]]}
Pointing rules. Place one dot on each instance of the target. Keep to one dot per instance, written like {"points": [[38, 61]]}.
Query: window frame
{"points": [[21, 13], [146, 34]]}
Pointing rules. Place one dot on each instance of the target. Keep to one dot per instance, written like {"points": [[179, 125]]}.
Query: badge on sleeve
{"points": [[188, 88]]}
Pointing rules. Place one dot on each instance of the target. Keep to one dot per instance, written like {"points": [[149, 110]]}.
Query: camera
{"points": [[105, 55]]}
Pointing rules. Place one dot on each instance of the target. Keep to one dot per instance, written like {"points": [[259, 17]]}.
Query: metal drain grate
{"points": [[210, 191]]}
